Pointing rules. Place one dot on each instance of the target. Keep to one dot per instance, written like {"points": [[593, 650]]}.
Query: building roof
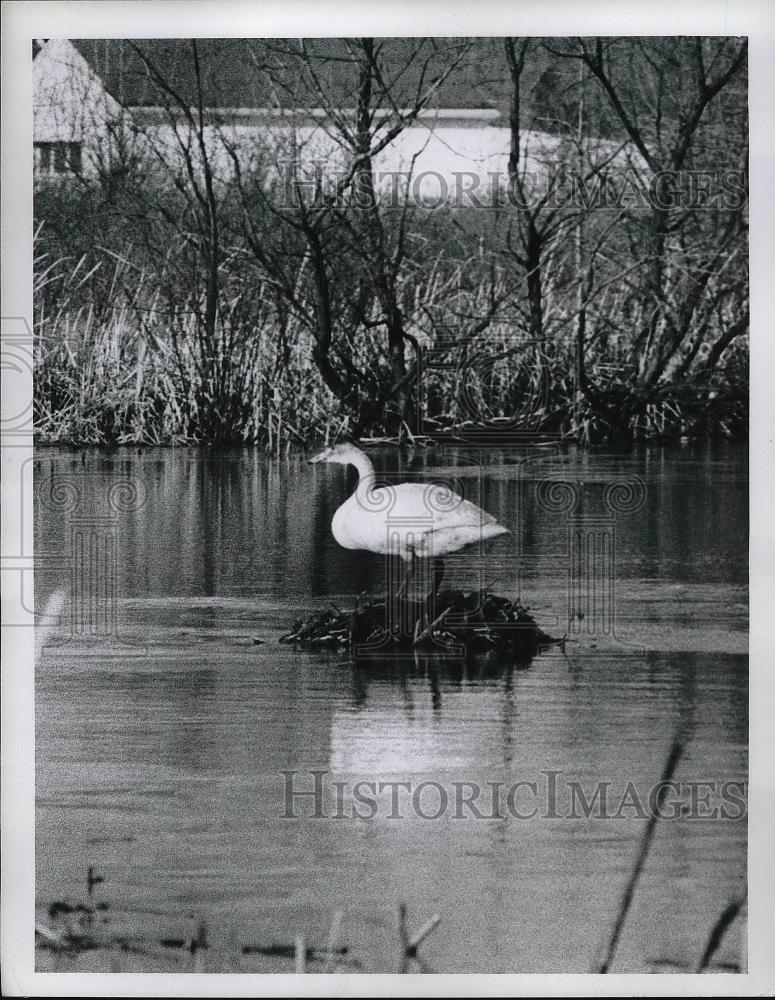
{"points": [[252, 75], [68, 96], [239, 72]]}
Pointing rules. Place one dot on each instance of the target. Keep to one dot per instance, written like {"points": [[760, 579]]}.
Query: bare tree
{"points": [[689, 292], [183, 207], [350, 244]]}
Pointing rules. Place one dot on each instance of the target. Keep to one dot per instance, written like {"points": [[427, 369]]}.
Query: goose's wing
{"points": [[425, 519], [436, 507]]}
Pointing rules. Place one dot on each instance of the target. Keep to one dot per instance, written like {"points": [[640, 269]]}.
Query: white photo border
{"points": [[21, 21]]}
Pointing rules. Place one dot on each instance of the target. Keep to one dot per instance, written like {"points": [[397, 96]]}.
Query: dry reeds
{"points": [[121, 357], [449, 622]]}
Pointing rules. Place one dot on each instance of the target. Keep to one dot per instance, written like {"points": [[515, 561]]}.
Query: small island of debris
{"points": [[451, 622]]}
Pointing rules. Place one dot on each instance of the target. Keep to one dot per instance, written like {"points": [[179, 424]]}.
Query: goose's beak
{"points": [[320, 457]]}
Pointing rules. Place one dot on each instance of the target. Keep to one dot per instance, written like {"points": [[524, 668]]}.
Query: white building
{"points": [[79, 128], [72, 112]]}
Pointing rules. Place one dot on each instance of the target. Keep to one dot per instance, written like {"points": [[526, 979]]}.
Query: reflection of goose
{"points": [[411, 520]]}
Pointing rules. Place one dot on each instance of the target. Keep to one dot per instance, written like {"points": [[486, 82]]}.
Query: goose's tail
{"points": [[493, 530]]}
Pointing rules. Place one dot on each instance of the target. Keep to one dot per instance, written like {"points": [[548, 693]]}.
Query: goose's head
{"points": [[338, 454]]}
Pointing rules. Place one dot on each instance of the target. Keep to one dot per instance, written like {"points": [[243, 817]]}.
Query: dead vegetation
{"points": [[451, 622]]}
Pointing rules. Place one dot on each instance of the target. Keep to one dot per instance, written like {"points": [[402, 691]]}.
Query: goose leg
{"points": [[438, 576], [402, 590]]}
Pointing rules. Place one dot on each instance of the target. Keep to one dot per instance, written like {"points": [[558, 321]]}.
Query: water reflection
{"points": [[229, 523], [165, 770]]}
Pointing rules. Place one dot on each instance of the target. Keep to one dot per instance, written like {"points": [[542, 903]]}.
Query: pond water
{"points": [[163, 730]]}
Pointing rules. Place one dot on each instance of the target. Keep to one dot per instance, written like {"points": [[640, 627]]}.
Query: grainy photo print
{"points": [[390, 492]]}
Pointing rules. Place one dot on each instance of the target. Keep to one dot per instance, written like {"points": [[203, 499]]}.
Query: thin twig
{"points": [[333, 939], [645, 843], [300, 955], [49, 935], [403, 937], [428, 632], [427, 928], [720, 928]]}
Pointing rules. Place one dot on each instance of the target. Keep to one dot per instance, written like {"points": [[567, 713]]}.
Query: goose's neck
{"points": [[365, 472]]}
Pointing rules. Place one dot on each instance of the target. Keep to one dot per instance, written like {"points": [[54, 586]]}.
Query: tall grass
{"points": [[134, 372], [129, 365]]}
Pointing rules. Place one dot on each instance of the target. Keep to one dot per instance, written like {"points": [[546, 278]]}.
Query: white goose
{"points": [[411, 520]]}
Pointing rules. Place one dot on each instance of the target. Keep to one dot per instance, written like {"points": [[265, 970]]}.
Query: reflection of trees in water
{"points": [[189, 743], [212, 523], [215, 523], [433, 675]]}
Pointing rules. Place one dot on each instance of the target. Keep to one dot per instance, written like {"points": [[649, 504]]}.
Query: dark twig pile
{"points": [[450, 622]]}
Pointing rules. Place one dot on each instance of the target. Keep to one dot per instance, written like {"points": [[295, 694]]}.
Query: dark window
{"points": [[45, 155], [75, 157], [58, 157]]}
